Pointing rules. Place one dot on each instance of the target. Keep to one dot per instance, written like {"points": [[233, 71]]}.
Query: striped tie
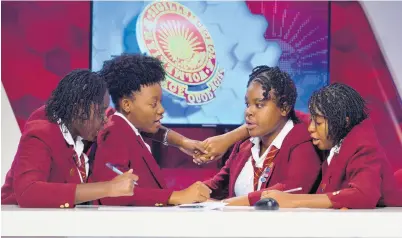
{"points": [[268, 162], [80, 163]]}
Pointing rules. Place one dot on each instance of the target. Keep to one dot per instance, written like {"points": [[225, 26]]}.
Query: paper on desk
{"points": [[204, 205], [131, 208], [184, 207]]}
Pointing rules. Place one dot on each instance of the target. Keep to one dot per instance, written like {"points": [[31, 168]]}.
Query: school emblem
{"points": [[174, 34]]}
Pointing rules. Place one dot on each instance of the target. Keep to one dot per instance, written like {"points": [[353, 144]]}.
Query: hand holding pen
{"points": [[285, 198], [123, 184]]}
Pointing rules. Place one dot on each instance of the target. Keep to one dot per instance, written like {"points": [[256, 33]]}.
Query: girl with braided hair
{"points": [[50, 168], [356, 173], [277, 153]]}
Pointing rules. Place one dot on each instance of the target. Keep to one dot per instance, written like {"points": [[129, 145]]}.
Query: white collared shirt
{"points": [[78, 146], [334, 150], [245, 181], [134, 129]]}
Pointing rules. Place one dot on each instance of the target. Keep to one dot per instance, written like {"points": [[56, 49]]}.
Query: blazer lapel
{"points": [[327, 181], [73, 174], [143, 151], [151, 163]]}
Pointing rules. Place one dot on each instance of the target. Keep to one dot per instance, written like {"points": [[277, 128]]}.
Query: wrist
{"points": [[107, 189], [298, 201], [182, 141], [175, 198]]}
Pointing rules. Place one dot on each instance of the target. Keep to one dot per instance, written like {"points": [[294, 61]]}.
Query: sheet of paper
{"points": [[204, 205], [132, 208], [184, 207]]}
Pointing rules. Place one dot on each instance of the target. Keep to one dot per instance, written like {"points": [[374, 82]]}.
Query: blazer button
{"points": [[72, 172], [66, 205]]}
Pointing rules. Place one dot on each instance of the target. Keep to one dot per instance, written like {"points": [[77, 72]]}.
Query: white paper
{"points": [[184, 207], [132, 208], [204, 205]]}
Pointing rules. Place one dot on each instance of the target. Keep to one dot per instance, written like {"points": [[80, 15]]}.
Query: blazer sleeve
{"points": [[219, 184], [32, 169], [364, 178]]}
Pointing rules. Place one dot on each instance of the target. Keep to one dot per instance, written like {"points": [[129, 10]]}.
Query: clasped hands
{"points": [[206, 151]]}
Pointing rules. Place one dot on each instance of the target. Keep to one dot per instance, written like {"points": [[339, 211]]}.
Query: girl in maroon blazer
{"points": [[356, 173], [134, 85], [50, 168], [279, 153]]}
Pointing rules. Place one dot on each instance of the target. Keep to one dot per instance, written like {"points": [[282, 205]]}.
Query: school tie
{"points": [[266, 167], [80, 163]]}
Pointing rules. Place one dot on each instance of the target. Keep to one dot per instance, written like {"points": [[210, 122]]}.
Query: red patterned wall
{"points": [[41, 42], [356, 59]]}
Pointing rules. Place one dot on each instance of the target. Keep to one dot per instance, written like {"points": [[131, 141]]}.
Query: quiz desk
{"points": [[176, 222]]}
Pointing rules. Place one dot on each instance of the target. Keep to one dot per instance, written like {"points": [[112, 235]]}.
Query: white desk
{"points": [[230, 222]]}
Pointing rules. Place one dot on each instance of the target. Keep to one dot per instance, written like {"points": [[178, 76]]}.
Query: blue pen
{"points": [[116, 170], [192, 206]]}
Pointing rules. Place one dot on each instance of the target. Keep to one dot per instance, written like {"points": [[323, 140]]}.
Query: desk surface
{"points": [[174, 222]]}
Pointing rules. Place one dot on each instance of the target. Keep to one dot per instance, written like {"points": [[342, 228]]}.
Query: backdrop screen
{"points": [[209, 49]]}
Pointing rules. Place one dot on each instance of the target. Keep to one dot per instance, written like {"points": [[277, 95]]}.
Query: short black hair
{"points": [[281, 84], [335, 102], [126, 74], [73, 97]]}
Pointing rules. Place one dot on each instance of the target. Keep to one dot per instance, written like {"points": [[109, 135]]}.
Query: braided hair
{"points": [[279, 83], [73, 97], [126, 74], [335, 103]]}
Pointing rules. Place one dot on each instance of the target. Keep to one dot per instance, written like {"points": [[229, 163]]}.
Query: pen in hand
{"points": [[116, 170], [293, 190]]}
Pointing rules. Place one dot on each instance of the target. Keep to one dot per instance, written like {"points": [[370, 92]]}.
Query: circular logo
{"points": [[172, 33]]}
